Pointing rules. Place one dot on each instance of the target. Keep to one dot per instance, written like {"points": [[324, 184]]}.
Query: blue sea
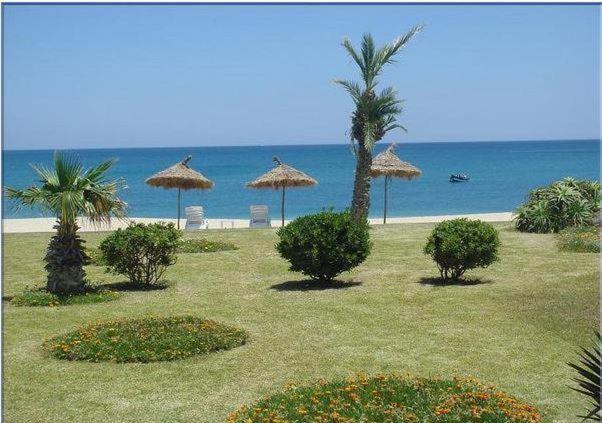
{"points": [[501, 175]]}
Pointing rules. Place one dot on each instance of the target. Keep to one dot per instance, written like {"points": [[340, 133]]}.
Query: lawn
{"points": [[516, 328]]}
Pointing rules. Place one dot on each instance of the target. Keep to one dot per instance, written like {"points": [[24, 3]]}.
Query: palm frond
{"points": [[356, 58], [30, 197], [352, 87], [67, 167], [47, 176], [96, 173], [386, 54], [589, 380]]}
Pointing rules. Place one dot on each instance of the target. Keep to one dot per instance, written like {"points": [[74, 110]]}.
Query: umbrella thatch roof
{"points": [[388, 164], [180, 176], [282, 176]]}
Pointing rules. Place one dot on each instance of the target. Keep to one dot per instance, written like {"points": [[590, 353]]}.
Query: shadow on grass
{"points": [[460, 282], [128, 286], [311, 285]]}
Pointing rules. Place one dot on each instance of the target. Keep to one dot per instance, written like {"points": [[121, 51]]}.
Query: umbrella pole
{"points": [[385, 206], [282, 206], [178, 208]]}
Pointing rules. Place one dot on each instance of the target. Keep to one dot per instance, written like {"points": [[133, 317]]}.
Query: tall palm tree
{"points": [[69, 191], [375, 113]]}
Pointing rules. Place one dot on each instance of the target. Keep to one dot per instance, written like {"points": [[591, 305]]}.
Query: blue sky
{"points": [[171, 75]]}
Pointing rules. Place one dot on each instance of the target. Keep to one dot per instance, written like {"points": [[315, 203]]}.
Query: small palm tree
{"points": [[375, 113], [69, 191]]}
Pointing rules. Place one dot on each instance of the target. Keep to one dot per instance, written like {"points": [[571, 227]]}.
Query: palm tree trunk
{"points": [[361, 188], [65, 259]]}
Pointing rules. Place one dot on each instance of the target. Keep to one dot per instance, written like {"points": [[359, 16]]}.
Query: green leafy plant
{"points": [[589, 378], [69, 191], [325, 244], [145, 340], [41, 297], [565, 203], [459, 245], [389, 398], [580, 239], [141, 252], [375, 113], [204, 246]]}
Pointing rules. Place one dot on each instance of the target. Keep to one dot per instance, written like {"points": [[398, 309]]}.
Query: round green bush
{"points": [[459, 245], [389, 398], [325, 244], [41, 298], [145, 340], [141, 252], [563, 204]]}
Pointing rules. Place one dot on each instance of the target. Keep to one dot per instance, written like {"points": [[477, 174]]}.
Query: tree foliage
{"points": [[67, 190]]}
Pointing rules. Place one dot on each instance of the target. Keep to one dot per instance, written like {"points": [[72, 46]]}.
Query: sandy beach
{"points": [[46, 224]]}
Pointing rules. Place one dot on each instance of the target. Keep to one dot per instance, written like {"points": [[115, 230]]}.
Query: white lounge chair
{"points": [[260, 217], [195, 218]]}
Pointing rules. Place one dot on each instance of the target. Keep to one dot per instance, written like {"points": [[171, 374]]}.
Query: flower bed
{"points": [[580, 240], [389, 398], [145, 340]]}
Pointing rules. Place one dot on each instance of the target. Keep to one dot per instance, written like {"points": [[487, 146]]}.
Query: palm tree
{"points": [[375, 113], [69, 191]]}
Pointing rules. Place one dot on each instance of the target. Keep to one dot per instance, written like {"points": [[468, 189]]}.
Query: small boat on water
{"points": [[459, 177]]}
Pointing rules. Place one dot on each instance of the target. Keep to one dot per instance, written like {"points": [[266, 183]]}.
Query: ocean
{"points": [[501, 175]]}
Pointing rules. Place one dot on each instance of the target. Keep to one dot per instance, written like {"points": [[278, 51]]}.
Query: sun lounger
{"points": [[195, 218], [260, 217]]}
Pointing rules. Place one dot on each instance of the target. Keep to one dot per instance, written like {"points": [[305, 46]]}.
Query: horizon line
{"points": [[294, 145]]}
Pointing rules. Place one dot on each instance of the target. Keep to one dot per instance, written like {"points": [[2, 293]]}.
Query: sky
{"points": [[105, 76]]}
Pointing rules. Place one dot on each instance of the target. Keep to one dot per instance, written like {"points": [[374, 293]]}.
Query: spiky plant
{"points": [[69, 191], [589, 378], [375, 113], [564, 203]]}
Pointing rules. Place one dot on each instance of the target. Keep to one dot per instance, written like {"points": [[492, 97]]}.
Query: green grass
{"points": [[145, 340], [516, 327], [203, 245], [389, 398]]}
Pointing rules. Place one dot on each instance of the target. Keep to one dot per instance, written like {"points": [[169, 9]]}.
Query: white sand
{"points": [[46, 224]]}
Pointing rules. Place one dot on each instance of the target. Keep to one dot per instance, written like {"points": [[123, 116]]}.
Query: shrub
{"points": [[389, 398], [41, 297], [579, 240], [325, 244], [563, 204], [141, 252], [204, 246], [460, 244], [145, 340]]}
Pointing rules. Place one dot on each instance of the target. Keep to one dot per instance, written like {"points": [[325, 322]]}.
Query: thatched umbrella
{"points": [[388, 164], [182, 177], [282, 176]]}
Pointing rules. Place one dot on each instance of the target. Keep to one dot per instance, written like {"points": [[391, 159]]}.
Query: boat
{"points": [[459, 177]]}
